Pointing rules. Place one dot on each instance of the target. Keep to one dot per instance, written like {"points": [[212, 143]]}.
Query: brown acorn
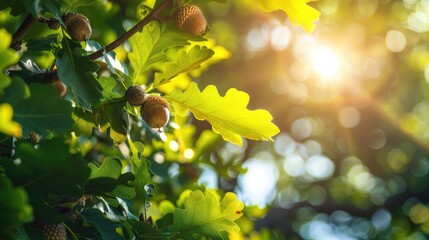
{"points": [[55, 232], [190, 19], [155, 111], [135, 95], [61, 88], [78, 26]]}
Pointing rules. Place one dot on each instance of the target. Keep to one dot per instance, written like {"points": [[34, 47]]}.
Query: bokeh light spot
{"points": [[395, 41], [320, 166], [349, 117], [294, 165]]}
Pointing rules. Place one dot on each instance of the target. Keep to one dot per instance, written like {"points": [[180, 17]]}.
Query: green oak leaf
{"points": [[8, 57], [76, 70], [43, 110], [68, 5], [49, 170], [141, 168], [149, 46], [14, 207], [228, 115], [16, 7], [105, 226], [36, 7], [186, 61], [204, 215], [299, 12], [108, 179]]}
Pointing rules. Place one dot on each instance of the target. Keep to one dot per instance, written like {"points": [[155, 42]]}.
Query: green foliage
{"points": [[49, 169], [86, 158], [228, 115], [108, 179], [149, 46], [77, 71], [203, 215]]}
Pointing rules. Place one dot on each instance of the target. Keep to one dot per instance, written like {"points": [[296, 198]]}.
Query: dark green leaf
{"points": [[117, 116], [42, 44], [106, 227], [166, 221], [48, 170], [17, 7], [77, 71], [44, 110], [146, 231], [108, 179]]}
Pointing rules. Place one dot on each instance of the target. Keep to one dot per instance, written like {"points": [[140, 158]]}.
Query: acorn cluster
{"points": [[154, 110]]}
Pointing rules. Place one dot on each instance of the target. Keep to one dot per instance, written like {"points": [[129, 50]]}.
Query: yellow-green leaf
{"points": [[228, 115], [8, 126], [186, 61], [204, 215], [8, 57], [299, 12]]}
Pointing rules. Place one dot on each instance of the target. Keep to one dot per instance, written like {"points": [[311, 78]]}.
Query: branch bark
{"points": [[26, 25], [154, 15]]}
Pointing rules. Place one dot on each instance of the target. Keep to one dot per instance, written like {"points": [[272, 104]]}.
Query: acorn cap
{"points": [[135, 95], [77, 26], [155, 111], [34, 137], [190, 19], [55, 232]]}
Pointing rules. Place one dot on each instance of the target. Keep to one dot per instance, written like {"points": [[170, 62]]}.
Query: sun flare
{"points": [[325, 62]]}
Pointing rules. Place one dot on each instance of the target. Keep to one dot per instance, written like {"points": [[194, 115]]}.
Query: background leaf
{"points": [[299, 12], [77, 72], [203, 215], [228, 115], [8, 126], [8, 57]]}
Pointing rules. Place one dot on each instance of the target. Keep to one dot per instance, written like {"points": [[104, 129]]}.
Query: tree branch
{"points": [[26, 25], [154, 15]]}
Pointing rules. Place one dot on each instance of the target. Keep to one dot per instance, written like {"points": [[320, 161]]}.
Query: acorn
{"points": [[34, 137], [53, 24], [190, 19], [155, 111], [135, 95], [78, 26], [55, 232], [60, 87]]}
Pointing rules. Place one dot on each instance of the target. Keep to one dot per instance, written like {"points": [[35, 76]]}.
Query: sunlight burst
{"points": [[326, 62]]}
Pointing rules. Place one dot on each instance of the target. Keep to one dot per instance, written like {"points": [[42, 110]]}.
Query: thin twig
{"points": [[26, 25], [154, 15]]}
